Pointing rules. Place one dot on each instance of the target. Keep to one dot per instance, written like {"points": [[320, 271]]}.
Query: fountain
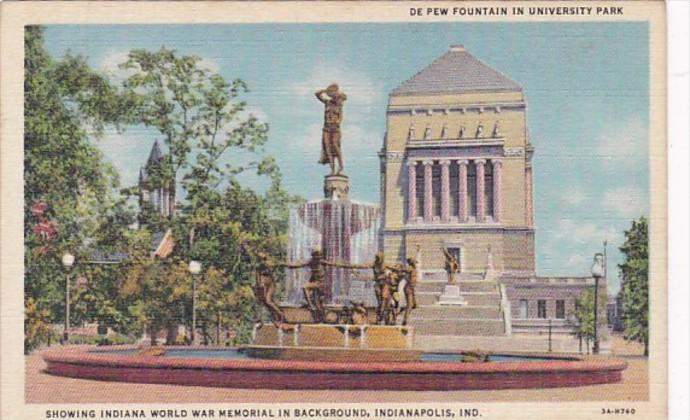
{"points": [[344, 230], [337, 353]]}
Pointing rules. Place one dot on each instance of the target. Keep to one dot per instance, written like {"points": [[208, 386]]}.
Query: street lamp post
{"points": [[194, 269], [597, 272], [67, 262]]}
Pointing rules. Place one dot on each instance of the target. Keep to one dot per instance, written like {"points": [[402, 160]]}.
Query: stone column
{"points": [[411, 191], [428, 193], [462, 190], [497, 165], [445, 190], [529, 216], [479, 164]]}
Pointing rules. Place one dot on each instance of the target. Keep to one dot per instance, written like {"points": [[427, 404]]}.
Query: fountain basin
{"points": [[332, 354], [122, 363]]}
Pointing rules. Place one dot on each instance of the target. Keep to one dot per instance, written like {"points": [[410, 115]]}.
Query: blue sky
{"points": [[586, 86]]}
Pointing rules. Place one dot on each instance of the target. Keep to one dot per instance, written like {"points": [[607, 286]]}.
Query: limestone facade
{"points": [[456, 169]]}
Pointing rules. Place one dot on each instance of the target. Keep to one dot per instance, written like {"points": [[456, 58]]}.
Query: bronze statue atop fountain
{"points": [[331, 152]]}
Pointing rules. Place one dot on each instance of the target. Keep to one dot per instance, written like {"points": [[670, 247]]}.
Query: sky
{"points": [[586, 87]]}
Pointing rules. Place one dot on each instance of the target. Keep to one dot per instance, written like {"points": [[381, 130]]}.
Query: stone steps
{"points": [[478, 286], [443, 276], [472, 298], [465, 286], [482, 327], [482, 299], [456, 312], [426, 298]]}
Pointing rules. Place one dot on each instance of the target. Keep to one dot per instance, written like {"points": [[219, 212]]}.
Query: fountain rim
{"points": [[99, 356]]}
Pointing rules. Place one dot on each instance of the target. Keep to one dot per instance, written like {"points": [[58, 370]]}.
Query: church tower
{"points": [[152, 190], [456, 169]]}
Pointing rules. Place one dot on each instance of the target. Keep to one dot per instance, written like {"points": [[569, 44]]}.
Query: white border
{"points": [[678, 13]]}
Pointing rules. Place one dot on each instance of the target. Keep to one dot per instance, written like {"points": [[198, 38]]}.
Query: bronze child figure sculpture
{"points": [[265, 287], [313, 289], [409, 289], [379, 271]]}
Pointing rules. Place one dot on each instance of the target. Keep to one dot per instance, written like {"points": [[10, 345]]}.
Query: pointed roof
{"points": [[155, 154], [456, 71]]}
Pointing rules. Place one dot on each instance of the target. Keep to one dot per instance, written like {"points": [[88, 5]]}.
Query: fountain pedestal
{"points": [[336, 187], [334, 342]]}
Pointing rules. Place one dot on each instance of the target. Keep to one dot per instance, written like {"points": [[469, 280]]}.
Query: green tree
{"points": [[581, 319], [202, 120], [635, 283], [156, 292], [66, 104], [223, 303]]}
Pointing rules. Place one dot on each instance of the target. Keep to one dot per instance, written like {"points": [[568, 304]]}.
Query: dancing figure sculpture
{"points": [[313, 289], [265, 287], [379, 269], [411, 274]]}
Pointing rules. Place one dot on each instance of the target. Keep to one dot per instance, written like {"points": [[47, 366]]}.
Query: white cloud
{"points": [[356, 141], [112, 60], [582, 232], [127, 151], [210, 65], [628, 202], [362, 92], [624, 144], [573, 196]]}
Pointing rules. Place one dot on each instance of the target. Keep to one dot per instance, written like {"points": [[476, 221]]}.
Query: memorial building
{"points": [[456, 173], [456, 167]]}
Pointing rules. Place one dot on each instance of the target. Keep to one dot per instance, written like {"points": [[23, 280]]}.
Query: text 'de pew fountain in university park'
{"points": [[330, 347]]}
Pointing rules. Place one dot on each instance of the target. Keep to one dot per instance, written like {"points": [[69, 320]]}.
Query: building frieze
{"points": [[514, 152], [430, 110]]}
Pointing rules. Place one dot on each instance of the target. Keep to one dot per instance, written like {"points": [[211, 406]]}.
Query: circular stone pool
{"points": [[223, 367]]}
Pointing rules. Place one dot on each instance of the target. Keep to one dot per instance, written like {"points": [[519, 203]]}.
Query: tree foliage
{"points": [[635, 283], [73, 201], [65, 175], [582, 317], [211, 138]]}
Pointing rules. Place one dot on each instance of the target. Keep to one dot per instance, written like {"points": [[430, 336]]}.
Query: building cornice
{"points": [[497, 141], [432, 109], [457, 228]]}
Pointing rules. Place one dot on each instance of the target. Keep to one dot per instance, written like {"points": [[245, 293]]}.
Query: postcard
{"points": [[306, 210]]}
